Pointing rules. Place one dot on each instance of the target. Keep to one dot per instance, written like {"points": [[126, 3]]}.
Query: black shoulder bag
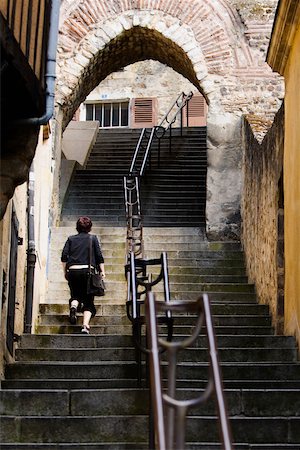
{"points": [[95, 283]]}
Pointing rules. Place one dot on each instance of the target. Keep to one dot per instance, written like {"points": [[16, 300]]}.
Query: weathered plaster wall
{"points": [[43, 186], [292, 190], [262, 224]]}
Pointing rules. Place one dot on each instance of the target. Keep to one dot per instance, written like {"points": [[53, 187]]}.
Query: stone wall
{"points": [[262, 212], [142, 79]]}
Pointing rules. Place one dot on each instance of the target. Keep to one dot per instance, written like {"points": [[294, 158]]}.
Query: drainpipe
{"points": [[50, 69], [42, 120], [31, 255]]}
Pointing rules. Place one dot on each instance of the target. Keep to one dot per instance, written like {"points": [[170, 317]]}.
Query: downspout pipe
{"points": [[50, 78], [50, 75], [31, 254]]}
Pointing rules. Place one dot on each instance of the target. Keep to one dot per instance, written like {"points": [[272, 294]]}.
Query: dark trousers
{"points": [[77, 279]]}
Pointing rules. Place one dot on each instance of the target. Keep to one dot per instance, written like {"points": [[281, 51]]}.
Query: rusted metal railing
{"points": [[170, 413]]}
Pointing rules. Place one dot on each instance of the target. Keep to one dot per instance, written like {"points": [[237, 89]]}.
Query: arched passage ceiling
{"points": [[136, 44]]}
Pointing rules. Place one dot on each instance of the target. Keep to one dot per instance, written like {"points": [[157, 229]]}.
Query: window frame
{"points": [[111, 103]]}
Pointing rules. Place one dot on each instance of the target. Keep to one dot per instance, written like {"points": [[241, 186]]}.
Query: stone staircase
{"points": [[67, 391], [172, 195]]}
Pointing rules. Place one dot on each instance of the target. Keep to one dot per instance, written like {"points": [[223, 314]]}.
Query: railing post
{"points": [[133, 286], [158, 153], [170, 139], [181, 121], [155, 375], [187, 114], [225, 430]]}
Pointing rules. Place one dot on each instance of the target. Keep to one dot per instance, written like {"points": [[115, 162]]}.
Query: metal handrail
{"points": [[171, 434], [131, 181], [180, 102], [134, 238]]}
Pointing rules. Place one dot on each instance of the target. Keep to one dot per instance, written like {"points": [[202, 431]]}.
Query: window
{"points": [[144, 112], [108, 114], [197, 111]]}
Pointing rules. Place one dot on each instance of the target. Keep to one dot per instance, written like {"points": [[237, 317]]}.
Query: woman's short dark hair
{"points": [[84, 224]]}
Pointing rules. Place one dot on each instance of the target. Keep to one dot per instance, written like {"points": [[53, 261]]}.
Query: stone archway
{"points": [[206, 41]]}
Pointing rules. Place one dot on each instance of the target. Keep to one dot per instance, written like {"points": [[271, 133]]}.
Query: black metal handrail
{"points": [[134, 238], [141, 156], [181, 101], [142, 153], [139, 283], [169, 412]]}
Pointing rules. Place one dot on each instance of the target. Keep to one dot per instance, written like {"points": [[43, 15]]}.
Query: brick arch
{"points": [[112, 47], [214, 23], [205, 33]]}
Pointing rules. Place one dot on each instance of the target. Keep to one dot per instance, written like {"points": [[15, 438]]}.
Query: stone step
{"points": [[113, 286], [119, 298], [57, 320], [98, 341], [246, 402], [118, 313], [82, 429], [127, 329], [128, 354], [131, 383], [126, 369], [140, 446]]}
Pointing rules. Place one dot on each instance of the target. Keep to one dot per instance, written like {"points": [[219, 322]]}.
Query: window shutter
{"points": [[197, 111], [143, 112]]}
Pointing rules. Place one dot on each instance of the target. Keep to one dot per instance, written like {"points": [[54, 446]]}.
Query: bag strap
{"points": [[90, 254]]}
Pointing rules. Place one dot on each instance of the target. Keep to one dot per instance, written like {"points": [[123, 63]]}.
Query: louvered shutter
{"points": [[197, 111], [143, 112]]}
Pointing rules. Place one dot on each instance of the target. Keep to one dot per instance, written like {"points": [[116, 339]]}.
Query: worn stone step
{"points": [[118, 286], [128, 354], [218, 320], [117, 314], [133, 446], [125, 330], [254, 402], [116, 369], [98, 341], [115, 428], [98, 383]]}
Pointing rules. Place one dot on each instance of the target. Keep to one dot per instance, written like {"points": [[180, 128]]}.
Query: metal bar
{"points": [[187, 114], [171, 392], [181, 121], [175, 103], [147, 153], [136, 150], [180, 428], [133, 286], [177, 409], [155, 375], [170, 139], [158, 154], [215, 366], [166, 281]]}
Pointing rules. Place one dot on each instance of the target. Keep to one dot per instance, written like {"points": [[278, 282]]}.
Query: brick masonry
{"points": [[219, 46], [262, 213]]}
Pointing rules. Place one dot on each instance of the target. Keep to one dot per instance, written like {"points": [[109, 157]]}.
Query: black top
{"points": [[76, 250]]}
